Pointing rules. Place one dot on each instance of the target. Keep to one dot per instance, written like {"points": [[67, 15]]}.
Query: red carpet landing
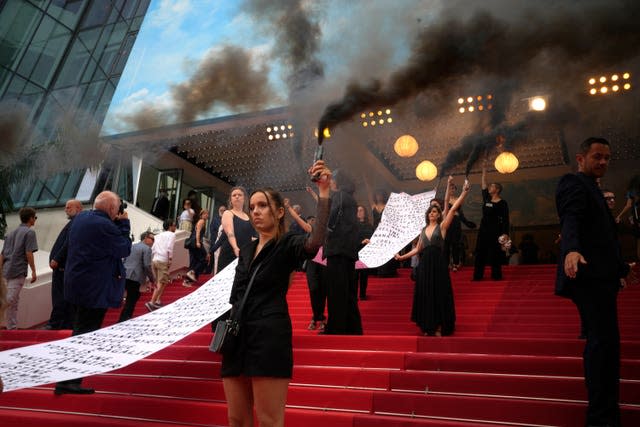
{"points": [[515, 360]]}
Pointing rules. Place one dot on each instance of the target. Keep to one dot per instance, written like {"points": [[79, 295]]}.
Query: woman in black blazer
{"points": [[258, 369]]}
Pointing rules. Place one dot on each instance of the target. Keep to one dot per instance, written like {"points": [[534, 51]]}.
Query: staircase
{"points": [[515, 360]]}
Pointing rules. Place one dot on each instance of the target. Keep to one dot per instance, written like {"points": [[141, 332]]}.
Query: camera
{"points": [[122, 207]]}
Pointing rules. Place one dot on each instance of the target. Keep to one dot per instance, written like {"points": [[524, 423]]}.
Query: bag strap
{"points": [[246, 294]]}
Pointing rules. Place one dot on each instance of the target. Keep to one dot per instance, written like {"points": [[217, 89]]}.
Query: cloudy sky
{"points": [[180, 37]]}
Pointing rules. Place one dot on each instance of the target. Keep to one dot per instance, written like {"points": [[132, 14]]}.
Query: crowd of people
{"points": [[94, 264]]}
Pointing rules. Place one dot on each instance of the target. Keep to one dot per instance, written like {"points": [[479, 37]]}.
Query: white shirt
{"points": [[187, 215], [163, 246]]}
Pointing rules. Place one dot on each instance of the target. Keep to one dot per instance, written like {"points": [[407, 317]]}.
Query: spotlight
{"points": [[615, 87], [474, 103], [378, 117], [538, 103]]}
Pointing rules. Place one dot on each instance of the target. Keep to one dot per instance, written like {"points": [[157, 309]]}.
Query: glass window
{"points": [[45, 51], [88, 73], [31, 97], [67, 12], [90, 37], [55, 184], [14, 89], [5, 76], [129, 9], [72, 185], [123, 54], [112, 49], [142, 7], [105, 100], [51, 56], [18, 22], [97, 14], [88, 183], [92, 96], [51, 112], [67, 97], [74, 65]]}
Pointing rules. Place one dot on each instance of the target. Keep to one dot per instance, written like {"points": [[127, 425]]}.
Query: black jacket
{"points": [[587, 226], [342, 232]]}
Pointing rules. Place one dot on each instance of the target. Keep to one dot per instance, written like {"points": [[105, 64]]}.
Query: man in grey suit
{"points": [[138, 267], [590, 270]]}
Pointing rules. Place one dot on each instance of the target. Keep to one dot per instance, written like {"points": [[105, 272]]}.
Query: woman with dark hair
{"points": [[256, 372], [198, 256], [341, 251], [433, 307], [365, 231]]}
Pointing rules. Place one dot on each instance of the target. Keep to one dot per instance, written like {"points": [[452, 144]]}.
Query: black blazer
{"points": [[59, 249], [587, 226], [342, 229]]}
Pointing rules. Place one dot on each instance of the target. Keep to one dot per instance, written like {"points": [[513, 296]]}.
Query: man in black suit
{"points": [[590, 270], [161, 205], [61, 311]]}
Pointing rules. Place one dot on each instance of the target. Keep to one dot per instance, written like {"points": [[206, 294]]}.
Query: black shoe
{"points": [[363, 298], [72, 389]]}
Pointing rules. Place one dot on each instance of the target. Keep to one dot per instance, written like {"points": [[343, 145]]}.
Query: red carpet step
{"points": [[515, 359]]}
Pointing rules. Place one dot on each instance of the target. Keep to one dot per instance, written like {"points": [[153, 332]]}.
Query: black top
{"points": [[365, 231], [495, 216], [243, 231], [264, 343], [342, 231]]}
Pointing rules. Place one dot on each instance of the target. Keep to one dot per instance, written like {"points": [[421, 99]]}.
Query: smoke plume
{"points": [[227, 78], [506, 51], [297, 37]]}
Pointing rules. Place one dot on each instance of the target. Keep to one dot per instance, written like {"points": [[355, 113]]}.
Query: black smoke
{"points": [[531, 44]]}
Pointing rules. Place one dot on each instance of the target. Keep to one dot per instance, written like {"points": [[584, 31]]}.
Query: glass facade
{"points": [[60, 56]]}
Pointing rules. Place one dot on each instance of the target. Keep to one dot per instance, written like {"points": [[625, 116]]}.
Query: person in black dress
{"points": [[341, 251], [256, 372], [494, 223], [365, 231], [198, 256], [433, 307]]}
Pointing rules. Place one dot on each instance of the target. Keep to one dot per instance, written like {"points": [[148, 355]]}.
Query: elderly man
{"points": [[61, 311], [94, 273]]}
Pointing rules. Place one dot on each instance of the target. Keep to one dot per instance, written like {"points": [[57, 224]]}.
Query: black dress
{"points": [[243, 230], [433, 304], [264, 343]]}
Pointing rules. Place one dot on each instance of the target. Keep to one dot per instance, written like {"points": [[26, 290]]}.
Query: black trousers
{"points": [[62, 312], [363, 281], [86, 320], [597, 304], [488, 252], [342, 297], [198, 260], [133, 295], [317, 289]]}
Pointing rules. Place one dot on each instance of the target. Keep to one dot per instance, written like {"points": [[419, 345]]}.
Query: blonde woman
{"points": [[236, 227]]}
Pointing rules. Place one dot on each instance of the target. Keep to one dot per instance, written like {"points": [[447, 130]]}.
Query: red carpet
{"points": [[514, 360]]}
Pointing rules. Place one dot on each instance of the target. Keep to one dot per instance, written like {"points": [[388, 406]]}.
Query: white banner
{"points": [[402, 220], [119, 345]]}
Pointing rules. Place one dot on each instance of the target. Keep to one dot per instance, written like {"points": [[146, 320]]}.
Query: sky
{"points": [[177, 36]]}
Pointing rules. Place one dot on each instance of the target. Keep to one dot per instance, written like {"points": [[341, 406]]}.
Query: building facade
{"points": [[61, 57]]}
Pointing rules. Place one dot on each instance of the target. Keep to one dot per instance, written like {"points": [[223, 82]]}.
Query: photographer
{"points": [[94, 273]]}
